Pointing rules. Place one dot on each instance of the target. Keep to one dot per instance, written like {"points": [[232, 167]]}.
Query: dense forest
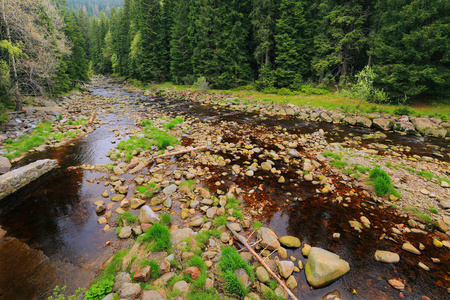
{"points": [[94, 7], [404, 46], [278, 43]]}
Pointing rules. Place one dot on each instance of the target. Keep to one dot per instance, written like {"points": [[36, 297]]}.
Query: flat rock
{"points": [[163, 279], [290, 241], [396, 284], [170, 189], [181, 286], [135, 203], [386, 256], [130, 290], [152, 295], [177, 235], [118, 198], [323, 267], [262, 274]]}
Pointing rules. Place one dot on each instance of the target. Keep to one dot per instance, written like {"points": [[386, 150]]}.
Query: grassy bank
{"points": [[439, 108]]}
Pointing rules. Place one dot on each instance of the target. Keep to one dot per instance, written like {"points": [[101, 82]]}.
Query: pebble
{"points": [[410, 248]]}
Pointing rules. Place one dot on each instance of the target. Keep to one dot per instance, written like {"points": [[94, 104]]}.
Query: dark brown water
{"points": [[55, 214]]}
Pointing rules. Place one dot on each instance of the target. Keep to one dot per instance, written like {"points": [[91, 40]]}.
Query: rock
{"points": [[204, 193], [437, 243], [282, 253], [170, 189], [100, 208], [410, 248], [243, 277], [423, 266], [177, 235], [152, 295], [396, 284], [163, 279], [268, 238], [181, 286], [211, 212], [308, 177], [135, 203], [421, 124], [445, 204], [285, 268], [291, 283], [209, 283], [280, 292], [324, 267], [194, 272], [281, 179], [383, 124], [118, 198], [125, 232], [334, 295], [2, 232], [102, 220], [137, 230], [266, 166], [325, 117], [386, 256], [120, 279], [225, 237], [196, 221], [164, 266], [142, 275], [130, 290], [147, 215], [445, 184], [117, 170], [236, 226], [363, 121], [5, 165], [293, 153], [262, 274], [167, 203], [105, 194], [290, 241], [436, 132], [305, 250]]}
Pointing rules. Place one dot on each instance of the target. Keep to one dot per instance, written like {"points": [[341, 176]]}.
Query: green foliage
{"points": [[128, 217], [425, 174], [257, 225], [172, 123], [98, 290], [231, 261], [58, 294], [203, 236], [220, 221], [433, 210], [364, 89], [166, 219], [147, 191], [116, 264], [197, 261], [382, 183], [187, 186], [118, 229], [233, 285], [201, 84], [424, 218], [332, 155], [159, 237], [154, 268], [338, 164]]}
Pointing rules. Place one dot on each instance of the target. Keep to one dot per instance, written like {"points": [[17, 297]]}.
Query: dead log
{"points": [[244, 242]]}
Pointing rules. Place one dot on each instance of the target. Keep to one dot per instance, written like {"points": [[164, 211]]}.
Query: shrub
{"points": [[166, 219], [284, 92], [98, 290], [58, 294], [159, 236], [402, 110], [382, 183], [201, 84]]}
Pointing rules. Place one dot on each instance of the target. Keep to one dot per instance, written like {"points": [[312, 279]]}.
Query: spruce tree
{"points": [[180, 49]]}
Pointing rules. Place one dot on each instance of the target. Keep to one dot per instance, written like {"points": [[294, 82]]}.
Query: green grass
{"points": [[433, 210], [257, 225], [128, 217], [187, 186], [220, 221], [425, 174], [116, 264], [424, 218], [154, 268], [172, 123], [382, 183], [233, 202], [203, 236], [197, 261], [118, 229], [166, 219], [332, 155], [147, 191], [158, 236], [338, 164]]}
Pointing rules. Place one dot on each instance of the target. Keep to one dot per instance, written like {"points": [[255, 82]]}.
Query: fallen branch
{"points": [[145, 163], [91, 120], [244, 242], [180, 152]]}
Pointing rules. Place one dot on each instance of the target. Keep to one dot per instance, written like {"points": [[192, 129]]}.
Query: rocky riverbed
{"points": [[301, 197]]}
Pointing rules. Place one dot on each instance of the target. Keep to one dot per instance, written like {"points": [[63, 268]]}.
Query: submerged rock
{"points": [[324, 267]]}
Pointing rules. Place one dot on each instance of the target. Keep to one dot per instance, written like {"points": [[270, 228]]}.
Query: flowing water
{"points": [[58, 241]]}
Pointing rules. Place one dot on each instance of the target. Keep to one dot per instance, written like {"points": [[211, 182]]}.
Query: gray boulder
{"points": [[147, 215]]}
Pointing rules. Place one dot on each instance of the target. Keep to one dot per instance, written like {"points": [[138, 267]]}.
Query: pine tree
{"points": [[293, 42], [123, 39], [180, 50]]}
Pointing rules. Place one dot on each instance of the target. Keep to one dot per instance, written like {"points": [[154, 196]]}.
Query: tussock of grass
{"points": [[338, 164], [147, 191], [128, 217], [424, 218], [203, 236], [187, 186], [332, 155], [154, 268], [229, 262], [159, 237], [425, 174], [220, 221], [172, 123], [166, 219], [257, 225], [382, 183]]}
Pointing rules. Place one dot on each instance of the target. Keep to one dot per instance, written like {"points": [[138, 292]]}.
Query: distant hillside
{"points": [[94, 7]]}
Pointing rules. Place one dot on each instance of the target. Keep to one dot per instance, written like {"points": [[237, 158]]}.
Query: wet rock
{"points": [[285, 268], [105, 194], [324, 267], [326, 118], [294, 153], [211, 212], [445, 204], [436, 132], [262, 274], [147, 215], [397, 284], [181, 286], [266, 166], [422, 124], [281, 179], [280, 292], [305, 250], [290, 241], [117, 170], [142, 275], [102, 220], [177, 235], [282, 253], [152, 295], [135, 203], [291, 283], [118, 198], [130, 290], [164, 266], [268, 238], [125, 232], [236, 226], [225, 237], [100, 208], [2, 232], [437, 243], [410, 248], [445, 184], [335, 295], [386, 256]]}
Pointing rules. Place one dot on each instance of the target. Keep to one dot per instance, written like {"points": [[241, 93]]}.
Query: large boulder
{"points": [[268, 238], [422, 124], [363, 122], [383, 124], [436, 132], [323, 267], [147, 215]]}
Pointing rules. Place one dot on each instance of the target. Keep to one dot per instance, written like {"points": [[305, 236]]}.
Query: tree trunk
{"points": [[13, 62]]}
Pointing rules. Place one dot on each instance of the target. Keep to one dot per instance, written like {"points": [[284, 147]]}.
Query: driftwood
{"points": [[145, 163], [91, 120], [244, 242]]}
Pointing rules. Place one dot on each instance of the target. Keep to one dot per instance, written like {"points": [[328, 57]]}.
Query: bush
{"points": [[284, 92], [100, 289], [58, 294], [201, 84], [364, 89], [403, 111]]}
